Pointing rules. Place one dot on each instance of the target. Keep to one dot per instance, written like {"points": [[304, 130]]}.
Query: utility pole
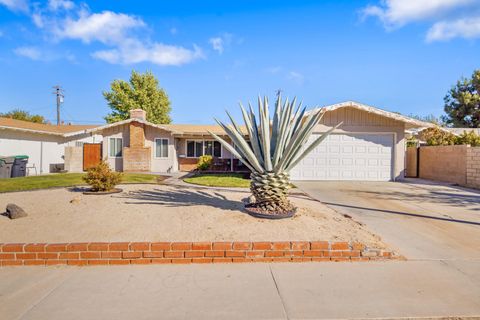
{"points": [[59, 93]]}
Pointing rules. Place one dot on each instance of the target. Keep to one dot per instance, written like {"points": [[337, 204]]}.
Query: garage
{"points": [[352, 156]]}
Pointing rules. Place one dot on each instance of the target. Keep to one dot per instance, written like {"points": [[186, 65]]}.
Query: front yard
{"points": [[151, 212], [64, 180]]}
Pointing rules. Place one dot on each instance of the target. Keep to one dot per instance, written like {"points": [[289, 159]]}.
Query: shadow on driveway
{"points": [[437, 196], [403, 213]]}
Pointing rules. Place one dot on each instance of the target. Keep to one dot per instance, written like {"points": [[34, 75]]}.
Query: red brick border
{"points": [[122, 253]]}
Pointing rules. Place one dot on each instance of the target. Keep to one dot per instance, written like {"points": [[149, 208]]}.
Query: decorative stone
{"points": [[76, 200], [15, 212]]}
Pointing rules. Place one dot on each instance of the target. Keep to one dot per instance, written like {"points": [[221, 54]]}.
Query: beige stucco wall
{"points": [[114, 132], [168, 164], [444, 163], [358, 121]]}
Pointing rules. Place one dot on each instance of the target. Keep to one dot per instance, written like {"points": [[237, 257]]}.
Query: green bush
{"points": [[102, 178], [470, 138], [204, 162]]}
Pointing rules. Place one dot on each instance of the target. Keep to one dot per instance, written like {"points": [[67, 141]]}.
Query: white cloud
{"points": [[37, 54], [395, 13], [296, 76], [16, 5], [450, 18], [38, 20], [221, 42], [60, 5], [29, 52], [468, 28], [217, 44], [107, 27], [274, 70], [134, 51], [173, 31], [118, 32]]}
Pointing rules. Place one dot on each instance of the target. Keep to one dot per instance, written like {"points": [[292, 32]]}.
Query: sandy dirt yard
{"points": [[167, 213]]}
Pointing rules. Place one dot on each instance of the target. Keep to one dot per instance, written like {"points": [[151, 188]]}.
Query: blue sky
{"points": [[399, 55]]}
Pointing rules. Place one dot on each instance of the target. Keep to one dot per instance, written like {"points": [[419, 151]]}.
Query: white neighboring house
{"points": [[43, 143]]}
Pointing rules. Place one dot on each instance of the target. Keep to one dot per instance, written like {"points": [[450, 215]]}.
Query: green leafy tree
{"points": [[428, 118], [462, 103], [140, 92], [19, 114]]}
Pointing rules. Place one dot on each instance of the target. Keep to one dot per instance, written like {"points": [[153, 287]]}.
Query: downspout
{"points": [[41, 157]]}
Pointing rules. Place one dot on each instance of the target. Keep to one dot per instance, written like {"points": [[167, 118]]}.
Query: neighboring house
{"points": [[43, 143], [369, 145]]}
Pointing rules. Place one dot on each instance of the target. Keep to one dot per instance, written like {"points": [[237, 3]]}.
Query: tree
{"points": [[270, 149], [428, 118], [141, 92], [462, 103], [19, 114]]}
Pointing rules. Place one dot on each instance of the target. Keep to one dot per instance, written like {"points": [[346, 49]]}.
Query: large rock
{"points": [[15, 212]]}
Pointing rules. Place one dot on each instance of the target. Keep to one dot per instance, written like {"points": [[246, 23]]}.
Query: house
{"points": [[369, 145]]}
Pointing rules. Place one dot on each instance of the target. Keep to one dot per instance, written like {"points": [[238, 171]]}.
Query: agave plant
{"points": [[270, 148]]}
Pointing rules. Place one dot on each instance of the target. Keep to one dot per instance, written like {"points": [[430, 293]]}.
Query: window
{"points": [[116, 145], [161, 148], [199, 148]]}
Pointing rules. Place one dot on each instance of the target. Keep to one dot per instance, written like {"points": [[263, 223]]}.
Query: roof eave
{"points": [[59, 134]]}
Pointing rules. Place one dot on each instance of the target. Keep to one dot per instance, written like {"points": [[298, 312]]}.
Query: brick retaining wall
{"points": [[122, 253]]}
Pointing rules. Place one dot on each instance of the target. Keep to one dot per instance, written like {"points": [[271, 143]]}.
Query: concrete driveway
{"points": [[420, 219]]}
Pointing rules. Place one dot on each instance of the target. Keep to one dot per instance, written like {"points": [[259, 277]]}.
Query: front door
{"points": [[92, 155]]}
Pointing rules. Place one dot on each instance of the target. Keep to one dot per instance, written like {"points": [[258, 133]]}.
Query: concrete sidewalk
{"points": [[393, 289]]}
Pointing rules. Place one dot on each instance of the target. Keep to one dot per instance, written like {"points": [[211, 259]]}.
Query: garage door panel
{"points": [[348, 157]]}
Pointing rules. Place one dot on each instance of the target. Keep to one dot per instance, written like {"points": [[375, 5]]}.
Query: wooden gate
{"points": [[92, 155]]}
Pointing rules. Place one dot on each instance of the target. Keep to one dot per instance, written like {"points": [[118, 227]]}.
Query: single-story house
{"points": [[369, 145]]}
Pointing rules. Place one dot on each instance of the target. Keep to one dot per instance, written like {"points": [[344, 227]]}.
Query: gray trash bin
{"points": [[6, 164], [19, 168]]}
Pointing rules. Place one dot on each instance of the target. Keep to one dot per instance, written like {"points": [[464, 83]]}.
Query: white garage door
{"points": [[366, 157]]}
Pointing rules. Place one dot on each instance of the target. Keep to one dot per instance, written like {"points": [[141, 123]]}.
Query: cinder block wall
{"points": [[74, 159], [458, 164], [473, 167], [444, 163]]}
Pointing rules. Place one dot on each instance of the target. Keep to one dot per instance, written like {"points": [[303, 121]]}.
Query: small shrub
{"points": [[204, 162], [470, 138], [102, 178]]}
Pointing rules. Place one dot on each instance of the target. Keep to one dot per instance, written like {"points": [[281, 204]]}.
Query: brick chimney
{"points": [[138, 114], [136, 157]]}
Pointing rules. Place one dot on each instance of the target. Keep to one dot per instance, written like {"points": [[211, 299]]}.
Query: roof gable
{"points": [[409, 122]]}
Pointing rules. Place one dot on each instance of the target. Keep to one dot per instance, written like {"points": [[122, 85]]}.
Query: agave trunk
{"points": [[270, 187]]}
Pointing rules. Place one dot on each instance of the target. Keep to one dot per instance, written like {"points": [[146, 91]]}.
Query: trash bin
{"points": [[6, 164], [19, 168]]}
